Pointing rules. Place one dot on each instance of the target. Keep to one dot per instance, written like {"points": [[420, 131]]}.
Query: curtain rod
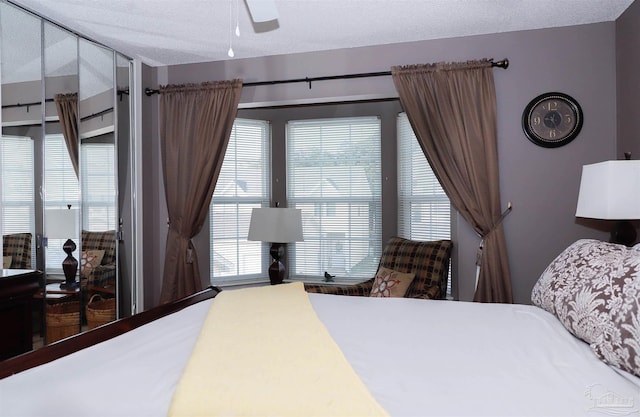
{"points": [[91, 116], [99, 114], [49, 100], [504, 64], [27, 105]]}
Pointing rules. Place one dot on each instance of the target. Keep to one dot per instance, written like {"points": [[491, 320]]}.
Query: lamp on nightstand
{"points": [[277, 226], [63, 224], [610, 190]]}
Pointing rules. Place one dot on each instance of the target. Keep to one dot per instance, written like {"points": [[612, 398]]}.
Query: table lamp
{"points": [[63, 224], [276, 226], [610, 190]]}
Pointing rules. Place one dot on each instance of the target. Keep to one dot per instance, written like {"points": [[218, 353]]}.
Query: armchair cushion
{"points": [[18, 246], [103, 274], [428, 260], [390, 283], [90, 260], [101, 241]]}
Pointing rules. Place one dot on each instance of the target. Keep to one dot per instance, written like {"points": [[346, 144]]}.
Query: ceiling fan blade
{"points": [[262, 10]]}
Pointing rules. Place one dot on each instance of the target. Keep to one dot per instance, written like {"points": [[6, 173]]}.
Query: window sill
{"points": [[319, 281]]}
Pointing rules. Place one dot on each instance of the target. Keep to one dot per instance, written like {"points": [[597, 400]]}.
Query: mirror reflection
{"points": [[60, 192], [20, 147], [67, 170], [98, 271]]}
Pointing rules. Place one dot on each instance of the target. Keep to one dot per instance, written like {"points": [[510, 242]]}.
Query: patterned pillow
{"points": [[593, 288], [390, 283], [620, 342], [90, 260], [6, 262]]}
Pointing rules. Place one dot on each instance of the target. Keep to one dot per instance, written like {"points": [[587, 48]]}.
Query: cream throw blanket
{"points": [[264, 352]]}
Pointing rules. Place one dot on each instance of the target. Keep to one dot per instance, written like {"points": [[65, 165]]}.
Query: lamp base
{"points": [[69, 286], [69, 266], [276, 269], [623, 233]]}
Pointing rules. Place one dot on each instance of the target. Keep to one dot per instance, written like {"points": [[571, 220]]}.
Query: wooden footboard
{"points": [[100, 334]]}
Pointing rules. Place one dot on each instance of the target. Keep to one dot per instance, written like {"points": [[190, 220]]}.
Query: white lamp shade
{"points": [[610, 190], [61, 223], [276, 225]]}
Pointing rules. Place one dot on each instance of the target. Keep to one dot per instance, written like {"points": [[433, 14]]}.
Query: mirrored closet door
{"points": [[67, 168]]}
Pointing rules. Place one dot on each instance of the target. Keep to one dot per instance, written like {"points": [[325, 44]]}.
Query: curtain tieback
{"points": [[189, 254], [495, 226], [189, 258]]}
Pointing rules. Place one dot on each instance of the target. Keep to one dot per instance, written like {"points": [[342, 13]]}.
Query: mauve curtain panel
{"points": [[452, 109], [195, 125], [67, 108]]}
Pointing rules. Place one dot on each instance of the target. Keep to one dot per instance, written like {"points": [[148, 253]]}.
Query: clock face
{"points": [[552, 120]]}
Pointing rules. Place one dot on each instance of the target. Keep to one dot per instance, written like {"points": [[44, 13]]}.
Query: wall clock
{"points": [[552, 120]]}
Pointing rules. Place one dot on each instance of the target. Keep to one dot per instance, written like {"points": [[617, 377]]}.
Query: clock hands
{"points": [[552, 119]]}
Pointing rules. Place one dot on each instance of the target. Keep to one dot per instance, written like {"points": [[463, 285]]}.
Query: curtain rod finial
{"points": [[504, 64]]}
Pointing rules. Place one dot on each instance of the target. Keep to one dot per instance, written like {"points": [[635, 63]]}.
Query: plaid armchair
{"points": [[18, 246], [104, 274], [428, 260]]}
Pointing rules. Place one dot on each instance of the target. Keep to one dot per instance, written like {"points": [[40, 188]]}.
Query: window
{"points": [[242, 185], [424, 210], [18, 197], [334, 171], [334, 176], [60, 190], [98, 186]]}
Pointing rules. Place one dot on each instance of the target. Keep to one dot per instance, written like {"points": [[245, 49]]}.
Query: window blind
{"points": [[424, 210], [243, 183], [97, 162], [18, 195], [334, 176]]}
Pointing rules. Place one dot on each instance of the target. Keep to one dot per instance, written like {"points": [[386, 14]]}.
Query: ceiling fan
{"points": [[262, 10], [264, 16]]}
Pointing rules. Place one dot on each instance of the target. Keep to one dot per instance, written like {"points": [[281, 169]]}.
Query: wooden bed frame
{"points": [[100, 334]]}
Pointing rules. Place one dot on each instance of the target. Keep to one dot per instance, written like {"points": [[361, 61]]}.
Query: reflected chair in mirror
{"points": [[427, 260], [98, 263], [16, 249]]}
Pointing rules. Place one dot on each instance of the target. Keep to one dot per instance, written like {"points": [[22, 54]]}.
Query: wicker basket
{"points": [[63, 320], [100, 311]]}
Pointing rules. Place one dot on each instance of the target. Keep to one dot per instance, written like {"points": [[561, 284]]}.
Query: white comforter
{"points": [[417, 357]]}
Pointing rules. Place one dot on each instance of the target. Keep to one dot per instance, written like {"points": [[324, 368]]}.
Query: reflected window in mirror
{"points": [[18, 196], [98, 185], [61, 190]]}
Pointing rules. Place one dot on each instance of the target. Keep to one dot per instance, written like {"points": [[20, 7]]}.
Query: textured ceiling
{"points": [[167, 32]]}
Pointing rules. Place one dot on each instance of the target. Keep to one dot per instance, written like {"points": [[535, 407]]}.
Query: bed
{"points": [[415, 357]]}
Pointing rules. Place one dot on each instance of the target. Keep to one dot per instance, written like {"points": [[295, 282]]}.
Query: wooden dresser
{"points": [[17, 287]]}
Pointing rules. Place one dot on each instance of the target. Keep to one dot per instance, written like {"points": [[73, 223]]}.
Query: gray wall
{"points": [[541, 183], [627, 66]]}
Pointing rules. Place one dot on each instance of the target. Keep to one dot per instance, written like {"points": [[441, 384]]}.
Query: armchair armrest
{"points": [[432, 293], [361, 289], [102, 276]]}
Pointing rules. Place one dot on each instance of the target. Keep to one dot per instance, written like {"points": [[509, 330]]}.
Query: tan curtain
{"points": [[196, 122], [452, 109], [67, 107]]}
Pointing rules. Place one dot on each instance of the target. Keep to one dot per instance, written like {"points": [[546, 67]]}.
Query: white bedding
{"points": [[417, 357]]}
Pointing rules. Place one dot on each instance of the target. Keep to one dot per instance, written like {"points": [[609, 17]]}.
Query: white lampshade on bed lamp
{"points": [[610, 190], [63, 224], [276, 226]]}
